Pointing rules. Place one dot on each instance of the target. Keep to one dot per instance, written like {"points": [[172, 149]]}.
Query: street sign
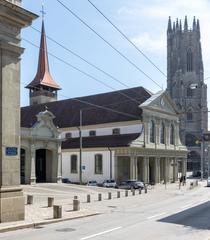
{"points": [[11, 151]]}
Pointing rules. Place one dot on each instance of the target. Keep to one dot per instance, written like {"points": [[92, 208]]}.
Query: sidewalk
{"points": [[39, 214]]}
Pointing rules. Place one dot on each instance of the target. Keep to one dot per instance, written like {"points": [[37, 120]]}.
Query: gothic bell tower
{"points": [[43, 88], [185, 84]]}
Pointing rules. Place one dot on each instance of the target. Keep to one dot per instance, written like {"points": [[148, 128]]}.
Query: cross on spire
{"points": [[42, 11]]}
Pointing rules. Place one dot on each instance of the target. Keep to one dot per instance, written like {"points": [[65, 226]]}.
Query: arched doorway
{"points": [[22, 165], [44, 165]]}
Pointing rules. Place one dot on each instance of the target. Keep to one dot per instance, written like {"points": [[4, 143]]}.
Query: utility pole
{"points": [[80, 146]]}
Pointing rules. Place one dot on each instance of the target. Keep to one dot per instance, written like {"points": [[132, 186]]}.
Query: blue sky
{"points": [[143, 21]]}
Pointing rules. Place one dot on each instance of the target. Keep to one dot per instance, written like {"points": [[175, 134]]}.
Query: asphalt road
{"points": [[184, 216]]}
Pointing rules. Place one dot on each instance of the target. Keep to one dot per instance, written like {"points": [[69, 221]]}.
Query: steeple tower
{"points": [[185, 85], [43, 88]]}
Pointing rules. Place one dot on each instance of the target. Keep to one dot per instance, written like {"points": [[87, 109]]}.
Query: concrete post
{"points": [[139, 190], [76, 205], [30, 199], [133, 192], [145, 189], [118, 194], [126, 193], [109, 195], [88, 198], [99, 197], [57, 211], [75, 197], [50, 201]]}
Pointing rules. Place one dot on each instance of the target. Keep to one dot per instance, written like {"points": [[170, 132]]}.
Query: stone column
{"points": [[133, 167], [157, 170], [146, 169], [13, 19], [184, 166], [33, 165], [175, 170], [166, 170], [59, 168]]}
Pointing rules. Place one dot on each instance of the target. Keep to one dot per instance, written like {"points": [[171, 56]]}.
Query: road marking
{"points": [[158, 215], [101, 233], [187, 206]]}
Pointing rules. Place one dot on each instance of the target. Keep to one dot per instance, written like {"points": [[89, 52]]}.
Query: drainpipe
{"points": [[110, 158]]}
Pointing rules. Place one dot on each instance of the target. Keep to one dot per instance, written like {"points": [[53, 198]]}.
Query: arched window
{"points": [[189, 116], [73, 163], [98, 164], [92, 133], [162, 133], [116, 131], [189, 61], [172, 135], [152, 131]]}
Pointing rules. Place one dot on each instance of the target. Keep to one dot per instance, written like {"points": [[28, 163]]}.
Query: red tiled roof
{"points": [[67, 112], [123, 140]]}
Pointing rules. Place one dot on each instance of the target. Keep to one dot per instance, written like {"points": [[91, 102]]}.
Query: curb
{"points": [[36, 224]]}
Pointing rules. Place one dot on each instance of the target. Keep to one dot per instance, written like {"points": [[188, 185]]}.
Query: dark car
{"points": [[131, 184]]}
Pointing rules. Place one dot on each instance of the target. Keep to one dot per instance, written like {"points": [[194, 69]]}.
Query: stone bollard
{"points": [[50, 201], [109, 195], [118, 194], [145, 190], [99, 197], [133, 192], [126, 193], [76, 205], [139, 190], [88, 198], [29, 199], [75, 197], [57, 211]]}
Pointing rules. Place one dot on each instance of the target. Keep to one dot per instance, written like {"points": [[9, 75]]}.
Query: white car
{"points": [[109, 183], [208, 182]]}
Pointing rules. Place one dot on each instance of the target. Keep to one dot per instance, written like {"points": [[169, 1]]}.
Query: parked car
{"points": [[208, 182], [131, 184], [92, 183], [109, 183], [65, 180]]}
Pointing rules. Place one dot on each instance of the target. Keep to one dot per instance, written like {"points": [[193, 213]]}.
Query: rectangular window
{"points": [[98, 164], [74, 164]]}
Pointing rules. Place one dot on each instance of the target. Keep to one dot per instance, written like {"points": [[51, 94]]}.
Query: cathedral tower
{"points": [[185, 84], [43, 88]]}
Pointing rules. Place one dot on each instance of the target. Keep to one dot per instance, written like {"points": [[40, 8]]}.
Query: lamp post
{"points": [[80, 146]]}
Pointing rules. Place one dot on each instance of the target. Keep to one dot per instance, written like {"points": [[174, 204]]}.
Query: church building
{"points": [[185, 85], [125, 134]]}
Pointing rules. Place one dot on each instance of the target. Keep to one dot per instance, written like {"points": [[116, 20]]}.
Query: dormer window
{"points": [[68, 135], [92, 133], [116, 131]]}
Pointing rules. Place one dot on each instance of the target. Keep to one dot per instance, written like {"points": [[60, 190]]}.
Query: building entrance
{"points": [[41, 165]]}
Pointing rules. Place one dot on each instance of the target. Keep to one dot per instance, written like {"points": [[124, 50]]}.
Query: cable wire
{"points": [[127, 38], [108, 43]]}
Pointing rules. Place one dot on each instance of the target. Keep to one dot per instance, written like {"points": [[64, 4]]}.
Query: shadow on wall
{"points": [[195, 217]]}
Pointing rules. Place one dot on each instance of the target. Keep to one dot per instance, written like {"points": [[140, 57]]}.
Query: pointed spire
{"points": [[194, 24], [169, 25], [177, 24], [185, 24], [198, 28], [174, 26], [43, 77], [180, 25]]}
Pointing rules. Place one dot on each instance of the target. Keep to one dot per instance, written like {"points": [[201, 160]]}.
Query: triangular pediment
{"points": [[160, 102]]}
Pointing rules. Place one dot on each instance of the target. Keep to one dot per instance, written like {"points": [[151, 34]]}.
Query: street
{"points": [[183, 215]]}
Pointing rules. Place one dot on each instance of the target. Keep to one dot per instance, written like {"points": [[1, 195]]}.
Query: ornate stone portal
{"points": [[12, 19]]}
